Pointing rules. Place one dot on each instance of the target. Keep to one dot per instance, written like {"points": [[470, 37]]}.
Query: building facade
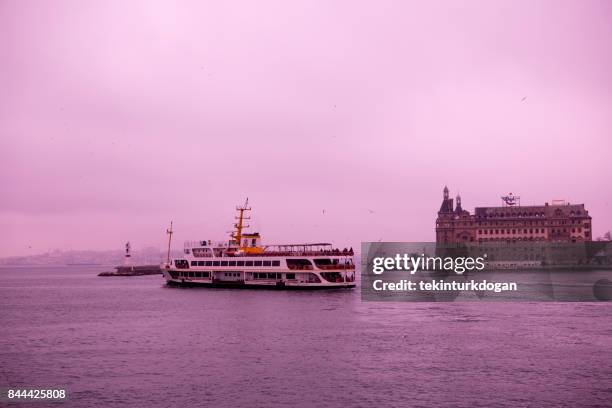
{"points": [[512, 223]]}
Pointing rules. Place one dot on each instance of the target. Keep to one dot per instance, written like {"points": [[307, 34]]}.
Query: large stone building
{"points": [[512, 223]]}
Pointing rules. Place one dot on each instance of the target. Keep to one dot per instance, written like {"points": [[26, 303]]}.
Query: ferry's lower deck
{"points": [[288, 279]]}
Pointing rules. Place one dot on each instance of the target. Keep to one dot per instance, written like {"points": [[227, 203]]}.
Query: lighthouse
{"points": [[127, 260]]}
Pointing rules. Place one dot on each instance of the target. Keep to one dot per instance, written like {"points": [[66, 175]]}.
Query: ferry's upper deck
{"points": [[242, 244], [210, 249]]}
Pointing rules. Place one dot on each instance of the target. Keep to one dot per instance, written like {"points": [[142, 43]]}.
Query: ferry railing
{"points": [[304, 253], [300, 267], [336, 267]]}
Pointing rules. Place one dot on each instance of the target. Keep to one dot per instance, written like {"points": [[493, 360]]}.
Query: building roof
{"points": [[567, 210]]}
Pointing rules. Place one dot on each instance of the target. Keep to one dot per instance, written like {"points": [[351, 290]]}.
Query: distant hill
{"points": [[145, 256]]}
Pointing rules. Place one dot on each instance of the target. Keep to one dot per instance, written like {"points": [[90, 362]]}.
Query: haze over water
{"points": [[135, 342]]}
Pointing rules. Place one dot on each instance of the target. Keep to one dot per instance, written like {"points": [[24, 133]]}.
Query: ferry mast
{"points": [[237, 235], [169, 232]]}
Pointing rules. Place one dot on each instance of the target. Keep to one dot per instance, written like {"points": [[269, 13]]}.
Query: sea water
{"points": [[133, 341]]}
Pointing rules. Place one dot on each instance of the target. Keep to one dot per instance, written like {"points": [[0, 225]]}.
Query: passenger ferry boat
{"points": [[243, 262]]}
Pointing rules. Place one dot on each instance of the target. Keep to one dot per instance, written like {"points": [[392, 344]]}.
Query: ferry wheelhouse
{"points": [[243, 262]]}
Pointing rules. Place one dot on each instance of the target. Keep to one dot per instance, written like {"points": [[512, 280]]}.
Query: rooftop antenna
{"points": [[169, 232], [511, 200]]}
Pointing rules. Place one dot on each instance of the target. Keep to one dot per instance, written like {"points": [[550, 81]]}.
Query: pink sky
{"points": [[116, 117]]}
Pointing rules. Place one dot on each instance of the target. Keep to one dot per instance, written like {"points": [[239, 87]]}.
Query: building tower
{"points": [[458, 208], [444, 223]]}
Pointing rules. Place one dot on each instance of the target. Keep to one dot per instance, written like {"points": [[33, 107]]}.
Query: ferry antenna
{"points": [[237, 235]]}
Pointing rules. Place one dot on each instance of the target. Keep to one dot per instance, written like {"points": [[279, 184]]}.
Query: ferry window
{"points": [[290, 275], [275, 263], [267, 263], [215, 263], [223, 263], [239, 263], [181, 263], [254, 241], [232, 263], [209, 263], [299, 264], [194, 263], [271, 276], [257, 263], [201, 252], [205, 274], [248, 263], [312, 278], [197, 274], [200, 263]]}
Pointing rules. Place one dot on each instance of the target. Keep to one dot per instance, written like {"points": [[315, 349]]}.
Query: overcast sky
{"points": [[116, 117]]}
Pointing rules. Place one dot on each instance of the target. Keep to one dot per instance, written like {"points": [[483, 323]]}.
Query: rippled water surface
{"points": [[135, 342]]}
